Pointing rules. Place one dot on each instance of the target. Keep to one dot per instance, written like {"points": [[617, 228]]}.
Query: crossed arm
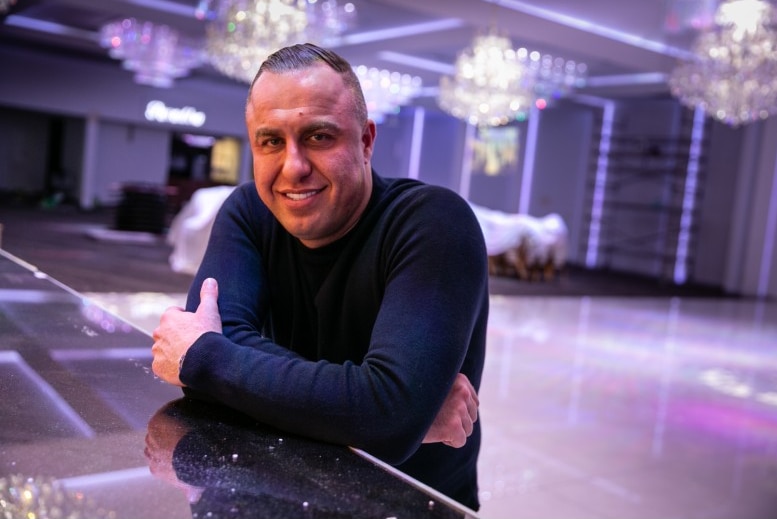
{"points": [[178, 330]]}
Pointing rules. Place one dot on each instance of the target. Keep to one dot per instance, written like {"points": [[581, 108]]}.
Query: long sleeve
{"points": [[403, 310]]}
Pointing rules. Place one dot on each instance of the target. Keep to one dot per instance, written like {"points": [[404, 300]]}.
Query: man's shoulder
{"points": [[243, 204], [417, 206], [247, 191], [407, 189], [244, 196]]}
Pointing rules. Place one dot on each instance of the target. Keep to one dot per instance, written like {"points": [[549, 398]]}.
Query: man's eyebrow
{"points": [[321, 125], [265, 132], [310, 128]]}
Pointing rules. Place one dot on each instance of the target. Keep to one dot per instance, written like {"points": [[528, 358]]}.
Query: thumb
{"points": [[209, 294]]}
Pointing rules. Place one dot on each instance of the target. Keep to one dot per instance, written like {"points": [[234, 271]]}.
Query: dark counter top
{"points": [[86, 427]]}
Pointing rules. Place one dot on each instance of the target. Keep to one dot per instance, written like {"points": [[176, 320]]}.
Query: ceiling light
{"points": [[240, 34], [491, 86], [495, 84], [385, 91], [733, 77], [157, 54]]}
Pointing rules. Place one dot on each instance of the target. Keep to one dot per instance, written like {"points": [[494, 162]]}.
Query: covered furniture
{"points": [[190, 228], [523, 245]]}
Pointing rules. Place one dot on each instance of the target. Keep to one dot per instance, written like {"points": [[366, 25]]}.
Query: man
{"points": [[332, 302]]}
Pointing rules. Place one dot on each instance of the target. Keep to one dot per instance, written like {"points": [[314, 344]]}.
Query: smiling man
{"points": [[333, 302]]}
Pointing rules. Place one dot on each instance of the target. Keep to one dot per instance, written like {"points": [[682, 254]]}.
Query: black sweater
{"points": [[355, 343]]}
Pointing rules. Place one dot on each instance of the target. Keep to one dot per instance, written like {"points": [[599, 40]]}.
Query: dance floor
{"points": [[612, 407], [630, 408]]}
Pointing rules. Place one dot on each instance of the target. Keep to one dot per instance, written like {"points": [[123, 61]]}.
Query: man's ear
{"points": [[368, 139]]}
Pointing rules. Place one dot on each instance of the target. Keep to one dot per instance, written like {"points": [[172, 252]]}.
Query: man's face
{"points": [[311, 154]]}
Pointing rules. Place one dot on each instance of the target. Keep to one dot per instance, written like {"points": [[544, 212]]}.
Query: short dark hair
{"points": [[305, 55]]}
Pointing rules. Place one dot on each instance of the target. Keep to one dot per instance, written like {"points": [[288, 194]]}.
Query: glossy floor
{"points": [[616, 407]]}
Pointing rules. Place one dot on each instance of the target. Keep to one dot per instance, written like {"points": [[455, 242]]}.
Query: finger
{"points": [[468, 425], [471, 388], [170, 310], [209, 294], [461, 431], [472, 409], [458, 441], [463, 382], [472, 400], [166, 316]]}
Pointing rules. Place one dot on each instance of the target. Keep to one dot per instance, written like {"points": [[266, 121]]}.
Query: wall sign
{"points": [[157, 111]]}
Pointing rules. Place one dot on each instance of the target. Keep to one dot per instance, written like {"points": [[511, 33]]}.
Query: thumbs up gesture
{"points": [[178, 330]]}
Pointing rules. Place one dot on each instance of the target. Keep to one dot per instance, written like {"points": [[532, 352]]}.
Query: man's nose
{"points": [[296, 164]]}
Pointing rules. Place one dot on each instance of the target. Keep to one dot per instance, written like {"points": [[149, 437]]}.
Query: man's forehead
{"points": [[299, 88]]}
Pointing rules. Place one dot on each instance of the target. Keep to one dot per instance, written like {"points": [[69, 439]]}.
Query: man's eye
{"points": [[319, 137], [271, 142]]}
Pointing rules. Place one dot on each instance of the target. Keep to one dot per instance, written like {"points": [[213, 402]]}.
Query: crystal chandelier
{"points": [[553, 77], [491, 86], [734, 77], [328, 19], [157, 54], [240, 34], [385, 91], [495, 84]]}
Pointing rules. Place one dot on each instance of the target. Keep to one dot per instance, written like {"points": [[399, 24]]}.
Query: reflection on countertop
{"points": [[226, 464]]}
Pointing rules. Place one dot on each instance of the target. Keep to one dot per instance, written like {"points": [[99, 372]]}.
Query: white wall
{"points": [[751, 266], [563, 154], [394, 137], [715, 220], [64, 86], [129, 154]]}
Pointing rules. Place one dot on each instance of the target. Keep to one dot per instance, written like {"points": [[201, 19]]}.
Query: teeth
{"points": [[301, 196]]}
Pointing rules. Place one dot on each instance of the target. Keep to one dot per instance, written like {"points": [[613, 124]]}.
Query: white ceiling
{"points": [[625, 43]]}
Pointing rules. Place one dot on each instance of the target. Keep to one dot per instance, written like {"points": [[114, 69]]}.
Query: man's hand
{"points": [[178, 330], [454, 423], [164, 433]]}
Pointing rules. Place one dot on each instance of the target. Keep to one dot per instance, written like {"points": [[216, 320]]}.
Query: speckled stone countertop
{"points": [[87, 430]]}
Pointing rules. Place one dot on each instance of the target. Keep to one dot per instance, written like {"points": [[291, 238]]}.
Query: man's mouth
{"points": [[302, 196]]}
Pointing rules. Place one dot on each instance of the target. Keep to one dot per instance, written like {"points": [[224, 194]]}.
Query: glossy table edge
{"points": [[442, 498]]}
